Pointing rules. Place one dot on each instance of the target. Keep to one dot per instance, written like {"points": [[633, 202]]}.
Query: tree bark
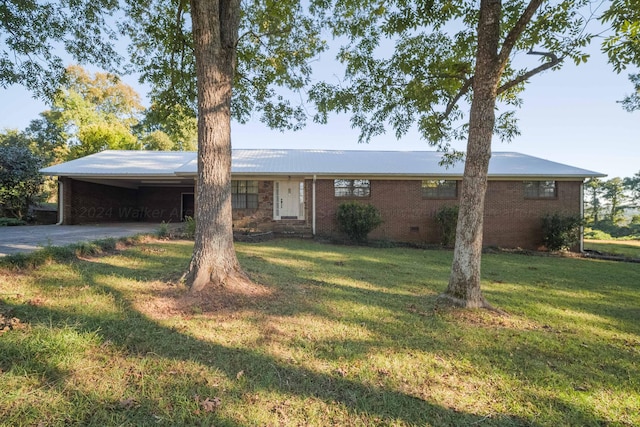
{"points": [[215, 32], [464, 283]]}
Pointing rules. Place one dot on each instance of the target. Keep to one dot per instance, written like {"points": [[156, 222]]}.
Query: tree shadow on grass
{"points": [[138, 336]]}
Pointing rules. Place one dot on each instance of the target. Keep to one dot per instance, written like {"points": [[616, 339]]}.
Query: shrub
{"points": [[592, 234], [357, 220], [10, 221], [163, 230], [189, 227], [447, 219], [560, 231]]}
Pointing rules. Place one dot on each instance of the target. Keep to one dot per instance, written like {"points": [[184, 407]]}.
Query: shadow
{"points": [[401, 318]]}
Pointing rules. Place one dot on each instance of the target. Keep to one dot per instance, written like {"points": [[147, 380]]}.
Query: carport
{"points": [[124, 186]]}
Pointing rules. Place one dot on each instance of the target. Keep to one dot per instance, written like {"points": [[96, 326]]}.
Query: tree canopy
{"points": [[20, 179], [622, 46], [276, 42], [95, 112], [35, 33], [412, 64]]}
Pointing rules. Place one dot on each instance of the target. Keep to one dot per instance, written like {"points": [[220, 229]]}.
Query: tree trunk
{"points": [[215, 32], [464, 283]]}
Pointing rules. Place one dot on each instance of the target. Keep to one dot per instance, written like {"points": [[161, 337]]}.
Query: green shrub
{"points": [[592, 234], [163, 230], [189, 227], [357, 220], [560, 231], [447, 219], [4, 222]]}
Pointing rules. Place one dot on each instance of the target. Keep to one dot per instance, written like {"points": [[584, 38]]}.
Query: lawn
{"points": [[625, 248], [330, 335]]}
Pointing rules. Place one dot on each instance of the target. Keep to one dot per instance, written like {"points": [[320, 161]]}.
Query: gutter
{"points": [[313, 208], [60, 202], [582, 217]]}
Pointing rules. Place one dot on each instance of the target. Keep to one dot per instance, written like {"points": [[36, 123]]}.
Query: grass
{"points": [[625, 248], [332, 335]]}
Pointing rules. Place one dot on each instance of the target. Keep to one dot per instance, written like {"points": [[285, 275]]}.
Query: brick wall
{"points": [[157, 204], [510, 219], [257, 218], [86, 202]]}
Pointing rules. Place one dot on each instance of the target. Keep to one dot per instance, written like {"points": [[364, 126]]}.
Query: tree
{"points": [[20, 179], [447, 55], [93, 113], [613, 193], [622, 46], [49, 137], [277, 42], [632, 102], [158, 140], [31, 32], [97, 112], [242, 53], [632, 185], [176, 123], [593, 188]]}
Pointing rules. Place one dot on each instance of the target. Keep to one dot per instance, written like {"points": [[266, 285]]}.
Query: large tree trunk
{"points": [[464, 283], [215, 32]]}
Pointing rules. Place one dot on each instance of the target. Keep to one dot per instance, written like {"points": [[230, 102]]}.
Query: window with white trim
{"points": [[540, 189], [244, 194], [352, 187], [439, 189]]}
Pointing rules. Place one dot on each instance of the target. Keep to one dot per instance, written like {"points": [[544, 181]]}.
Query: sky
{"points": [[570, 116]]}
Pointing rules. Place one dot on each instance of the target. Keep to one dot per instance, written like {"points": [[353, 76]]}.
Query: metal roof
{"points": [[310, 162], [123, 163]]}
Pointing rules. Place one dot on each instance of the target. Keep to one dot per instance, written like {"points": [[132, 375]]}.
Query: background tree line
{"points": [[612, 207]]}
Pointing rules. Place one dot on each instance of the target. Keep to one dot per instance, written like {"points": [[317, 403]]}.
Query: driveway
{"points": [[28, 238]]}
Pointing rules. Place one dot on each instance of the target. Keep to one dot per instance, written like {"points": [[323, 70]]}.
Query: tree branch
{"points": [[524, 77], [517, 30], [463, 90]]}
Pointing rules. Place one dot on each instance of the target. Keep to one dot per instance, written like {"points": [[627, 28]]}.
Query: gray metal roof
{"points": [[311, 162], [123, 163]]}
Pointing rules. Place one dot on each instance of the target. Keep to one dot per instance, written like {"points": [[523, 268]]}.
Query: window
{"points": [[352, 187], [539, 189], [244, 194], [439, 189]]}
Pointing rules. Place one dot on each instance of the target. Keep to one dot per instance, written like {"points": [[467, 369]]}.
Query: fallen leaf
{"points": [[239, 375], [210, 405]]}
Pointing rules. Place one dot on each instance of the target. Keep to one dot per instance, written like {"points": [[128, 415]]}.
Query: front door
{"points": [[188, 206], [288, 199]]}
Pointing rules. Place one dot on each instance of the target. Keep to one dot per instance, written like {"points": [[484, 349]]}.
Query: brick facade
{"points": [[86, 202], [511, 220]]}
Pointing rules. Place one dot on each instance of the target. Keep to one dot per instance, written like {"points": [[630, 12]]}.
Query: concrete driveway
{"points": [[28, 238]]}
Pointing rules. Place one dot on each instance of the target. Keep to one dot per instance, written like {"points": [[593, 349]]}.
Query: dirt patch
{"points": [[171, 298], [485, 318]]}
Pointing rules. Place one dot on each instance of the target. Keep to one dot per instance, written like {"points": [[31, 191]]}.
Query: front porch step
{"points": [[292, 228]]}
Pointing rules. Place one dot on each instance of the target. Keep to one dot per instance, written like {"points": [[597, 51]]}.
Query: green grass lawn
{"points": [[626, 248], [330, 335]]}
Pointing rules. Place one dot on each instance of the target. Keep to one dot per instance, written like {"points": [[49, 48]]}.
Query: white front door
{"points": [[288, 200]]}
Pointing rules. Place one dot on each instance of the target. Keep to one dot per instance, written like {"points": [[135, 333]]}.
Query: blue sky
{"points": [[570, 116]]}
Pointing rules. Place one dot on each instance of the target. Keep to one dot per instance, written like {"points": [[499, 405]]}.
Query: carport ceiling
{"points": [[135, 183]]}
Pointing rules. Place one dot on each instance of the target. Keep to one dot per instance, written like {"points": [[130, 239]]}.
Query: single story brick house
{"points": [[300, 191]]}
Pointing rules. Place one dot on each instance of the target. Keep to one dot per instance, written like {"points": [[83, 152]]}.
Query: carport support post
{"points": [[195, 199], [60, 202]]}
